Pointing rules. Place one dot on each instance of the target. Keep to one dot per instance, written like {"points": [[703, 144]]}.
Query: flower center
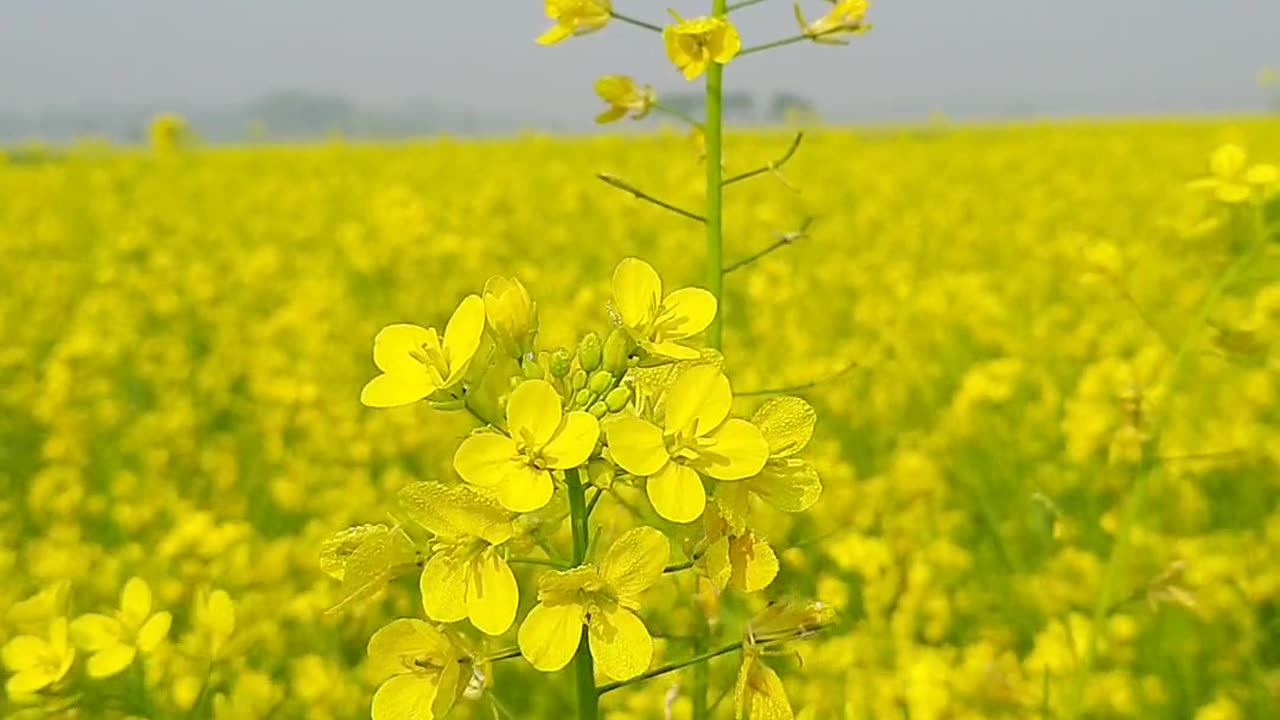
{"points": [[434, 358], [684, 443], [528, 452]]}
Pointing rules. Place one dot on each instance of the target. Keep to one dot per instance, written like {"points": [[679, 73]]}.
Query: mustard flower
{"points": [[623, 96], [736, 555], [38, 662], [604, 599], [759, 693], [115, 640], [1232, 180], [426, 670], [695, 43], [696, 438], [466, 576], [540, 438], [417, 362], [214, 622], [656, 322], [574, 17], [846, 17], [512, 315]]}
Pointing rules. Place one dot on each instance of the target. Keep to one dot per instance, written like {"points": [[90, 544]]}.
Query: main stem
{"points": [[715, 217], [583, 666]]}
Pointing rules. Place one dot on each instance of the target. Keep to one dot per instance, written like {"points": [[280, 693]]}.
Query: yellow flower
{"points": [[38, 662], [697, 437], [1232, 180], [512, 315], [115, 640], [736, 555], [654, 321], [759, 693], [466, 576], [36, 612], [426, 671], [214, 621], [416, 362], [847, 17], [540, 437], [695, 43], [574, 17], [623, 96], [604, 599]]}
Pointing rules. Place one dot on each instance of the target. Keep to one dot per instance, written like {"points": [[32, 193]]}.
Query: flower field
{"points": [[1043, 360]]}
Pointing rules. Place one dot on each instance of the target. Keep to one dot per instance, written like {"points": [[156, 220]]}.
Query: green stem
{"points": [[713, 128], [672, 667], [678, 567], [583, 666], [633, 21], [680, 114], [742, 4], [538, 561]]}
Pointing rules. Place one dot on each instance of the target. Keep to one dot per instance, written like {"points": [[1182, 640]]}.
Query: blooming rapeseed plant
{"points": [[417, 362], [695, 43], [115, 640], [574, 17], [38, 661], [426, 671], [656, 321], [602, 598]]}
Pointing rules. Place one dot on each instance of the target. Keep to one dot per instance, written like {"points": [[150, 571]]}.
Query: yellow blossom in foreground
{"points": [[540, 437], [427, 671], [759, 693], [623, 96], [695, 43], [466, 576], [847, 17], [574, 17], [697, 437], [416, 361], [604, 599], [1232, 180], [115, 640], [654, 321], [512, 315], [38, 662]]}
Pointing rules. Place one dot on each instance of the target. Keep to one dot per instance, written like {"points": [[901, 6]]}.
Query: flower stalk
{"points": [[713, 128], [583, 664]]}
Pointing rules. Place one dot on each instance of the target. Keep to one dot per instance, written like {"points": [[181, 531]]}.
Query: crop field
{"points": [[1043, 360]]}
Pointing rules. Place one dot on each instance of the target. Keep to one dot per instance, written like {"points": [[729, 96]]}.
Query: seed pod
{"points": [[618, 398], [579, 379], [600, 382], [531, 369], [599, 409], [561, 362], [582, 397], [590, 351], [617, 350]]}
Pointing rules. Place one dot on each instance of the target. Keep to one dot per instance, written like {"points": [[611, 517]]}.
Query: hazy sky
{"points": [[480, 55]]}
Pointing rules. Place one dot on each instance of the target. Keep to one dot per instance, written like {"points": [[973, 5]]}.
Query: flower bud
{"points": [[512, 316], [618, 398], [600, 382], [617, 351], [531, 369], [579, 380], [589, 351], [561, 363], [601, 473], [599, 409], [582, 397]]}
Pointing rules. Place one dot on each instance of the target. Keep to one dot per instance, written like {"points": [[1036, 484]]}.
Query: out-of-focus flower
{"points": [[426, 670], [624, 97], [1232, 180], [38, 662], [574, 17], [695, 43], [512, 315], [844, 19], [115, 640]]}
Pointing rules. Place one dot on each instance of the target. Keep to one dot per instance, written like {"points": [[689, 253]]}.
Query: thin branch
{"points": [[677, 567], [623, 185], [671, 667], [673, 112], [539, 561], [507, 654], [740, 5], [794, 39], [783, 240], [638, 23], [771, 167], [801, 387], [591, 505]]}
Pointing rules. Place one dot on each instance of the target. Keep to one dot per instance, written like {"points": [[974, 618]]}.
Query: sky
{"points": [[1019, 56]]}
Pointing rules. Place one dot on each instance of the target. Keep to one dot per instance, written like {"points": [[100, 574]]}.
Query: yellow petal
{"points": [[791, 485], [456, 511], [111, 660], [753, 561], [462, 336], [573, 442], [450, 684], [23, 652], [620, 643], [554, 34], [636, 445], [526, 489], [691, 310], [716, 561], [1263, 175], [405, 637], [671, 350], [444, 588], [492, 594], [699, 397], [135, 602], [405, 697], [385, 391], [93, 632], [786, 423], [613, 113], [676, 493], [760, 694], [29, 682], [154, 631], [1233, 193], [737, 451], [487, 459], [1227, 161], [534, 412], [725, 44], [637, 290], [550, 634], [615, 89], [394, 343], [634, 562]]}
